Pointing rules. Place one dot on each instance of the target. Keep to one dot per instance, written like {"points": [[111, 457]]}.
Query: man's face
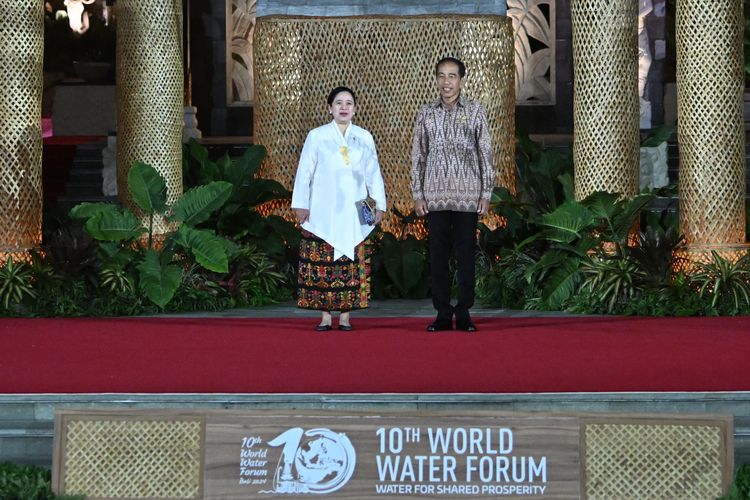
{"points": [[449, 82]]}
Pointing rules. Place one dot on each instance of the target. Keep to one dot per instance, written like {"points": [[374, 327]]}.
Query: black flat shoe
{"points": [[437, 326], [322, 328], [467, 327], [346, 328]]}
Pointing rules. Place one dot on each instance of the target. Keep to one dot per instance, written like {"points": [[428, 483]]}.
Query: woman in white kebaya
{"points": [[337, 169]]}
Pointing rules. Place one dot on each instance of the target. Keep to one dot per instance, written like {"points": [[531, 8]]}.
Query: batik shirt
{"points": [[452, 160]]}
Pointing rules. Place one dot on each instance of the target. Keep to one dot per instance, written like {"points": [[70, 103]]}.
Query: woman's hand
{"points": [[302, 214], [378, 216]]}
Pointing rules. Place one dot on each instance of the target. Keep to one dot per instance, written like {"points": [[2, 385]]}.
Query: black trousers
{"points": [[452, 232]]}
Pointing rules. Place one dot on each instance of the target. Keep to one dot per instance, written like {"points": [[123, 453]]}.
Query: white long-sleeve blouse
{"points": [[335, 171]]}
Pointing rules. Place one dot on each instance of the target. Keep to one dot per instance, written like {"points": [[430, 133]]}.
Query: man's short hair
{"points": [[457, 62]]}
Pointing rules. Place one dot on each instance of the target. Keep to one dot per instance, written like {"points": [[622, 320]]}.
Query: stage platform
{"points": [[270, 358]]}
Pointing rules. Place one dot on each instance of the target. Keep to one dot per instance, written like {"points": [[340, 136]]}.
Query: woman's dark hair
{"points": [[339, 90], [460, 64]]}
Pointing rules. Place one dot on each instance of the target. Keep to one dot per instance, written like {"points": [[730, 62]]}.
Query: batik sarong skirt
{"points": [[332, 285]]}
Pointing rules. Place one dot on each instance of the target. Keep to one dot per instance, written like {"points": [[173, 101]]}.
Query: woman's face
{"points": [[342, 108]]}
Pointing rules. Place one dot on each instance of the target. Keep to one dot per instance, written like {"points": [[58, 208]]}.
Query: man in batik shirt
{"points": [[452, 179]]}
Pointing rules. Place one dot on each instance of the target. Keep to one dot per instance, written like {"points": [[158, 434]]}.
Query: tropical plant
{"points": [[254, 280], [28, 482], [722, 280], [654, 251], [612, 281], [572, 233], [500, 281], [740, 488], [158, 271], [544, 176], [657, 136], [400, 261], [15, 283], [239, 217]]}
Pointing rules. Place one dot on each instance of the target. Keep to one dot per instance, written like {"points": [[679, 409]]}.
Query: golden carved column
{"points": [[150, 93], [711, 134], [22, 41], [605, 99]]}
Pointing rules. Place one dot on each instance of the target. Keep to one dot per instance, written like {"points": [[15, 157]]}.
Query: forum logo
{"points": [[317, 461]]}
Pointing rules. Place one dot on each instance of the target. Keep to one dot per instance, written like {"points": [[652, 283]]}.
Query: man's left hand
{"points": [[484, 207]]}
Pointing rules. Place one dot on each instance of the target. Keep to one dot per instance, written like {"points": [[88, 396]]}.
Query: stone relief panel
{"points": [[240, 27], [534, 28]]}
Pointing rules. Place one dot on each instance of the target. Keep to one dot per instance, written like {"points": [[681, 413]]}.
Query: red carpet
{"points": [[146, 355]]}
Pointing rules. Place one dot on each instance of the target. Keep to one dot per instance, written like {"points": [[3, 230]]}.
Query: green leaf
{"points": [[88, 210], [197, 205], [562, 283], [628, 215], [263, 190], [254, 157], [208, 249], [404, 262], [114, 226], [602, 204], [208, 171], [567, 222], [657, 136], [148, 188], [158, 282]]}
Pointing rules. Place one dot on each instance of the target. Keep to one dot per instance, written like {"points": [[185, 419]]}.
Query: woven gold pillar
{"points": [[22, 42], [389, 62], [150, 93], [711, 134], [605, 98]]}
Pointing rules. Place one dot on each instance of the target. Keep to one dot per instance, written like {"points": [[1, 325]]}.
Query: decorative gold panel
{"points": [[711, 133], [389, 62], [22, 41], [606, 111], [150, 94], [653, 461], [133, 459]]}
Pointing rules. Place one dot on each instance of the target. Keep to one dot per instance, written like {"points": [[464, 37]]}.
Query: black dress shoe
{"points": [[322, 328], [346, 328], [466, 327], [437, 326]]}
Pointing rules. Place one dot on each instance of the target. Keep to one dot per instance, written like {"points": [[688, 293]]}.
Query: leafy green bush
{"points": [[727, 283], [157, 271], [15, 283], [105, 262], [501, 283], [603, 254], [740, 489], [27, 483], [400, 261]]}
